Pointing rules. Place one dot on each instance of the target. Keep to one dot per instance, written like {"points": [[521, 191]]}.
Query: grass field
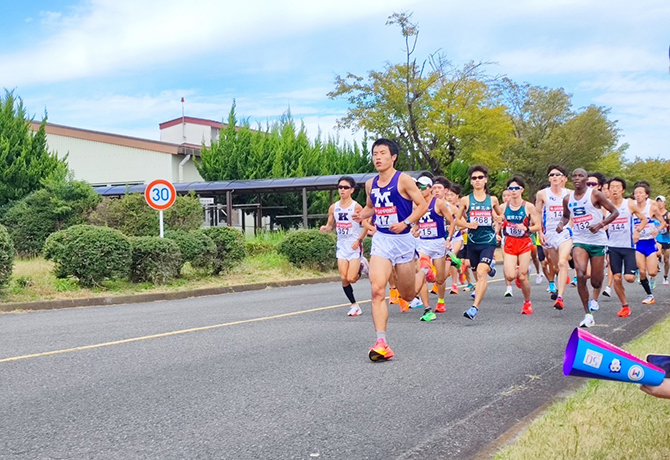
{"points": [[33, 280], [603, 420]]}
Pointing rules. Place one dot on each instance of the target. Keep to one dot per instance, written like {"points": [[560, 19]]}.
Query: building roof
{"points": [[118, 139], [192, 120], [250, 187]]}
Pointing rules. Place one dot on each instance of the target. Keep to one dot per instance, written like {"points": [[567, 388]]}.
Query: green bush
{"points": [[255, 248], [6, 256], [156, 260], [132, 215], [196, 247], [310, 248], [59, 205], [91, 254], [230, 248]]}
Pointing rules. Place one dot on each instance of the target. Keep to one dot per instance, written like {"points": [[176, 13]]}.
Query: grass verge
{"points": [[603, 420], [33, 280]]}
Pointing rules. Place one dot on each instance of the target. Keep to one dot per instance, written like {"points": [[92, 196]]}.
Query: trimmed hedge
{"points": [[196, 247], [157, 260], [6, 256], [310, 248], [230, 248], [91, 254]]}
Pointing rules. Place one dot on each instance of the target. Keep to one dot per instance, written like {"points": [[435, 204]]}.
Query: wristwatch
{"points": [[408, 222]]}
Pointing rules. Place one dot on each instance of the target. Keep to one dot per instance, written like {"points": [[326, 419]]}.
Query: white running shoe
{"points": [[416, 303], [508, 292], [665, 281], [593, 305], [608, 291], [355, 310], [538, 278], [649, 300], [588, 321], [365, 267]]}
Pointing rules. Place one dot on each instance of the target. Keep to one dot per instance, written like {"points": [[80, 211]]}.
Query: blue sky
{"points": [[122, 66]]}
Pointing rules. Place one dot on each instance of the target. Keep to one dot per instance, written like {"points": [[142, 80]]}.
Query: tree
{"points": [[547, 131], [656, 171], [24, 158], [437, 112]]}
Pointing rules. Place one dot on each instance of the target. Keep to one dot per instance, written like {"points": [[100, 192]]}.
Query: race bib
{"points": [[556, 211], [343, 228], [482, 217], [386, 216], [514, 231], [619, 224], [428, 229], [581, 223]]}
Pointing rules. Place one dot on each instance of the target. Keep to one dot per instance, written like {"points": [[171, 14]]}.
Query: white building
{"points": [[112, 159]]}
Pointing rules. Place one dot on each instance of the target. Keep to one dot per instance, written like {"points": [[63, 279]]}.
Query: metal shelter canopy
{"points": [[252, 187]]}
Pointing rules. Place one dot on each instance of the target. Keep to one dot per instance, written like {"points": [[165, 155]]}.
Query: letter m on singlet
{"points": [[382, 199]]}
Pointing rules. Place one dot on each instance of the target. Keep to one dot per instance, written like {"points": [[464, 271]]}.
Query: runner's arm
{"points": [[460, 218], [369, 208], [331, 220], [566, 215], [535, 219], [407, 187], [602, 200], [637, 211]]}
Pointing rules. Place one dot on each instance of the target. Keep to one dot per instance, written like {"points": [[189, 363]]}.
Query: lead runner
{"points": [[390, 196]]}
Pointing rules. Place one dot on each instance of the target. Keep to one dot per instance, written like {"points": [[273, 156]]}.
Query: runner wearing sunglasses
{"points": [[520, 219], [477, 212], [557, 246], [349, 238]]}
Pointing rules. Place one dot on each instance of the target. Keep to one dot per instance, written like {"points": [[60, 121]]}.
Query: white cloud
{"points": [[103, 36]]}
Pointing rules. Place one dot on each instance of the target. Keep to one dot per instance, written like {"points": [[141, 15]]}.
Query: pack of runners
{"points": [[423, 231]]}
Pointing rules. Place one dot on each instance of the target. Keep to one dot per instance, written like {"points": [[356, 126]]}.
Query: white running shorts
{"points": [[554, 240], [344, 250], [433, 248], [399, 249]]}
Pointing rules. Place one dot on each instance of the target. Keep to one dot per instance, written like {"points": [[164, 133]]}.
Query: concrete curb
{"points": [[137, 298]]}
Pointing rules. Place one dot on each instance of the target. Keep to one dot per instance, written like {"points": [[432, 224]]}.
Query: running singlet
{"points": [[584, 216], [620, 232], [431, 224], [647, 232], [482, 213], [553, 209], [514, 218], [345, 227], [390, 206]]}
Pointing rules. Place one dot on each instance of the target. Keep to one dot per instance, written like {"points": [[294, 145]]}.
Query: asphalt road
{"points": [[239, 376]]}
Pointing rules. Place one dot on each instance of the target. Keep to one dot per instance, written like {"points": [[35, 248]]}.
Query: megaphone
{"points": [[592, 357]]}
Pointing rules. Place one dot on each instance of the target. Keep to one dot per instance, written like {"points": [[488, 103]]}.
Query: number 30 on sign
{"points": [[160, 194]]}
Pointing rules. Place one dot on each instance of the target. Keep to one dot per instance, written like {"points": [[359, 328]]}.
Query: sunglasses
{"points": [[421, 186], [555, 174], [344, 187], [513, 188], [478, 177], [592, 184]]}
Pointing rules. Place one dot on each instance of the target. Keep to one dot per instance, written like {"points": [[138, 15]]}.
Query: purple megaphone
{"points": [[589, 356]]}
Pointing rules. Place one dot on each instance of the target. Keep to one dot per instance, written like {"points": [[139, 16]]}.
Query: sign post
{"points": [[160, 194]]}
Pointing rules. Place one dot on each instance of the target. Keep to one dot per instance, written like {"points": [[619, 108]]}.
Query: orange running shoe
{"points": [[527, 308], [380, 351], [440, 308], [624, 312], [394, 296], [454, 289], [427, 267], [558, 305], [404, 305], [434, 289]]}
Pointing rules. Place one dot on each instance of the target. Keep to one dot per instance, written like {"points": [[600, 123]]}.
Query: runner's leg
{"points": [[581, 258]]}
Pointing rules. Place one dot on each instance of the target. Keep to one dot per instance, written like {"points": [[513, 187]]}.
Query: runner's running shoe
{"points": [[440, 308], [471, 312], [508, 292], [624, 312], [574, 281], [469, 287], [553, 295], [538, 278], [607, 292], [416, 303], [380, 351], [588, 321], [454, 289], [665, 281], [433, 290], [355, 311], [649, 300], [652, 283], [492, 272], [394, 296], [472, 293], [404, 305], [428, 269], [527, 308], [558, 305], [455, 261], [364, 271], [428, 315], [594, 305]]}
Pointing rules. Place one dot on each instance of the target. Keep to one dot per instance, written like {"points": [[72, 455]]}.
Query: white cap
{"points": [[660, 198], [423, 180]]}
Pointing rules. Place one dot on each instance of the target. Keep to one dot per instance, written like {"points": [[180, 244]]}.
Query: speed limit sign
{"points": [[160, 194]]}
